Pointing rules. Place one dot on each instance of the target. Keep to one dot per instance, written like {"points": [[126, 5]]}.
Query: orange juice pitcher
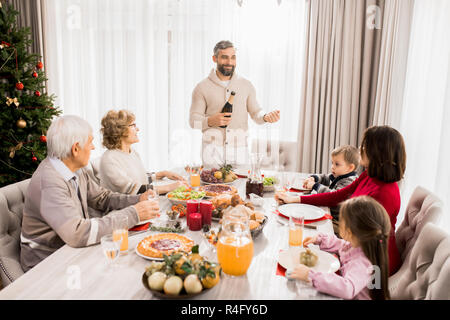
{"points": [[235, 245]]}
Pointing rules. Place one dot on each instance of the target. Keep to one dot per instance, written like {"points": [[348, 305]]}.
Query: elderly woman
{"points": [[121, 168]]}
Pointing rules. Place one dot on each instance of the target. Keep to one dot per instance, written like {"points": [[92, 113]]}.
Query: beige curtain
{"points": [[393, 57], [30, 16], [339, 79], [344, 44]]}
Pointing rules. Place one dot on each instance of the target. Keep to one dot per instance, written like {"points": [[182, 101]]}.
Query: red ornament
{"points": [[43, 139], [37, 93], [34, 159], [39, 65], [34, 74], [19, 85]]}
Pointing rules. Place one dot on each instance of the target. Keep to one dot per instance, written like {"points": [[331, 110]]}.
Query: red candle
{"points": [[206, 211], [195, 221], [191, 207]]}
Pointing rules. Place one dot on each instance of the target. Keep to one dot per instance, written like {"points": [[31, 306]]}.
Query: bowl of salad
{"points": [[182, 194], [269, 184]]}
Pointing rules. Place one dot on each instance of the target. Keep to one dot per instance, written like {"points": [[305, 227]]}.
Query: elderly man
{"points": [[61, 196], [225, 145]]}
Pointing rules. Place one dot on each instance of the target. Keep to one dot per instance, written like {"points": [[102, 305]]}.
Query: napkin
{"points": [[325, 217], [141, 227], [281, 271]]}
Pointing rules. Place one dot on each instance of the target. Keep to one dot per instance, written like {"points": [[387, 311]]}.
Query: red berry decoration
{"points": [[34, 159], [34, 74], [43, 138], [39, 65], [37, 93], [19, 85]]}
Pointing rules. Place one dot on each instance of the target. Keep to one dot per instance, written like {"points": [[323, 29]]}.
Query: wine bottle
{"points": [[228, 107]]}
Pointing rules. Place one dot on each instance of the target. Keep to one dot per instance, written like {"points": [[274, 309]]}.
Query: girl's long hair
{"points": [[369, 223]]}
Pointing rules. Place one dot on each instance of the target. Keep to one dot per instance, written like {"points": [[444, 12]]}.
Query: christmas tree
{"points": [[26, 110]]}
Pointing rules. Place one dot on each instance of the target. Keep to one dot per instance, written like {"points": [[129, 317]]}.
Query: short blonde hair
{"points": [[350, 153], [115, 127]]}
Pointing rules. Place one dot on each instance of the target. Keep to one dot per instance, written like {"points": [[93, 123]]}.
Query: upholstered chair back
{"points": [[12, 199], [426, 272], [281, 153]]}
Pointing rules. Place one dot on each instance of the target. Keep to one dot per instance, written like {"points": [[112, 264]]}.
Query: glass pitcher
{"points": [[235, 244], [255, 181]]}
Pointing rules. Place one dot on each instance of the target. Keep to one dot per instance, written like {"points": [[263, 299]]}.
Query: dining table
{"points": [[85, 274]]}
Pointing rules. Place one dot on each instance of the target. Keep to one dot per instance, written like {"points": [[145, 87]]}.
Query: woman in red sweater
{"points": [[383, 156]]}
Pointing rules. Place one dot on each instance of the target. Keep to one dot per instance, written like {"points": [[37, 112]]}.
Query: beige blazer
{"points": [[53, 214]]}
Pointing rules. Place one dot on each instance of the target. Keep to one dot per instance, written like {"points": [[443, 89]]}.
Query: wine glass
{"points": [[155, 195], [110, 248]]}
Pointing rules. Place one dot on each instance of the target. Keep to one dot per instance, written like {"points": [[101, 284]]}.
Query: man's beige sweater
{"points": [[209, 97]]}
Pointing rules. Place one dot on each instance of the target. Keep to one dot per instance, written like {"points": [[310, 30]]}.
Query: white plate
{"points": [[327, 263], [164, 181], [145, 257], [309, 212]]}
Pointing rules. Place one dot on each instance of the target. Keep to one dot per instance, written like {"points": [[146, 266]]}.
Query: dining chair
{"points": [[281, 155], [423, 207], [425, 275], [12, 198]]}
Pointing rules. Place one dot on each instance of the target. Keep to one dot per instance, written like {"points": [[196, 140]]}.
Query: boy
{"points": [[344, 161]]}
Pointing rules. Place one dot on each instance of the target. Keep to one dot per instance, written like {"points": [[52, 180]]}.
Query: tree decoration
{"points": [[10, 101], [19, 85], [21, 123]]}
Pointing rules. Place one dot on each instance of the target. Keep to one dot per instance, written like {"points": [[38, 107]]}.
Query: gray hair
{"points": [[221, 45], [64, 132]]}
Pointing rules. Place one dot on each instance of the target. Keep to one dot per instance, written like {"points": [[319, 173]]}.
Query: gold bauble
{"points": [[21, 123]]}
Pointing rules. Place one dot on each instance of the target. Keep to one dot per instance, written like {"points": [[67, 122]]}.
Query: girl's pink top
{"points": [[355, 270]]}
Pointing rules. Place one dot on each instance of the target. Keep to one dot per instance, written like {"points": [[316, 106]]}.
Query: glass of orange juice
{"points": [[235, 245], [120, 231], [296, 222], [195, 180]]}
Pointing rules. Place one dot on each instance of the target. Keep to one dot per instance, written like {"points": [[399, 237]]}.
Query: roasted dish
{"points": [[308, 258]]}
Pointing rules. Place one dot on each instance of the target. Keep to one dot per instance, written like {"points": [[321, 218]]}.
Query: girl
{"points": [[364, 228], [384, 158]]}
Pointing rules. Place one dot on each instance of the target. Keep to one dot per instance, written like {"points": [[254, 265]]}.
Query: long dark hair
{"points": [[385, 149], [369, 223]]}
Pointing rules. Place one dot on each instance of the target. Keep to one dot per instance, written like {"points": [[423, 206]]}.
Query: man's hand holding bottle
{"points": [[219, 119]]}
